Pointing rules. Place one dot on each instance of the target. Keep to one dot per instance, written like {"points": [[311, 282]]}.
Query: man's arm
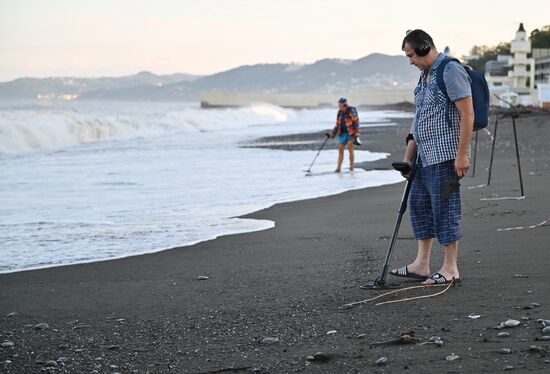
{"points": [[466, 112], [459, 91]]}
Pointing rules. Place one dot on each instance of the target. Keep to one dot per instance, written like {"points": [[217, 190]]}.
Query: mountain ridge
{"points": [[329, 75]]}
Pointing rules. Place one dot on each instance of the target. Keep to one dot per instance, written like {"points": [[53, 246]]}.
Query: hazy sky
{"points": [[117, 37]]}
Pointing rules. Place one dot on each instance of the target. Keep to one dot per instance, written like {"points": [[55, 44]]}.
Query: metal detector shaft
{"points": [[317, 155], [402, 208]]}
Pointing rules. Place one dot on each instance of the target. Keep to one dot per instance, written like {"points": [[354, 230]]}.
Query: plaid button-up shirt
{"points": [[436, 139]]}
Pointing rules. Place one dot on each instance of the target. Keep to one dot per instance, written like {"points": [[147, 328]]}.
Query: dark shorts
{"points": [[431, 214]]}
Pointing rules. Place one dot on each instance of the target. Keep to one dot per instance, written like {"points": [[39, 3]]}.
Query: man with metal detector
{"points": [[439, 142], [347, 129]]}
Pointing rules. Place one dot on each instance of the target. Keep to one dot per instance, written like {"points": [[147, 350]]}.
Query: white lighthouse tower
{"points": [[520, 47]]}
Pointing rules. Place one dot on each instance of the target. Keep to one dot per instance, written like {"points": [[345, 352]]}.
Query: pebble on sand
{"points": [[319, 356], [41, 326], [202, 277], [381, 361], [270, 340], [511, 323], [7, 343], [505, 351], [452, 357]]}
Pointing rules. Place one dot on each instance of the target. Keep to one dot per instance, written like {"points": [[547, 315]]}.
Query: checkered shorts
{"points": [[432, 215]]}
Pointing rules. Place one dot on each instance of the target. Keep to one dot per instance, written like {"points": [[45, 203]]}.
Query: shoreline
{"points": [[150, 313], [367, 166]]}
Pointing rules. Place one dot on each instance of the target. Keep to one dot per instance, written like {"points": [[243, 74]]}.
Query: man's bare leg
{"points": [[450, 267], [351, 147], [341, 148], [421, 265]]}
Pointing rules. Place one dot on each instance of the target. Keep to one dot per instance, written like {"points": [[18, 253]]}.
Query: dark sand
{"points": [[150, 314]]}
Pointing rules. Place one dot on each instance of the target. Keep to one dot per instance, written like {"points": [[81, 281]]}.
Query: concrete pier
{"points": [[306, 100]]}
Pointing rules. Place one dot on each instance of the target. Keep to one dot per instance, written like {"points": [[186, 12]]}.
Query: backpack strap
{"points": [[441, 84]]}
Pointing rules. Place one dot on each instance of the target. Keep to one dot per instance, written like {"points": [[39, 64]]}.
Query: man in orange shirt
{"points": [[347, 129]]}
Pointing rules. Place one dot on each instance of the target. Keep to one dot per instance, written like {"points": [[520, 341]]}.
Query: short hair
{"points": [[415, 38]]}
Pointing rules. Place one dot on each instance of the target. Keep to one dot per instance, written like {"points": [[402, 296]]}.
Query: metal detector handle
{"points": [[401, 166], [404, 167], [380, 281], [412, 170]]}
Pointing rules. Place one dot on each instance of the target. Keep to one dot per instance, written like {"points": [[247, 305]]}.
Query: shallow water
{"points": [[85, 182]]}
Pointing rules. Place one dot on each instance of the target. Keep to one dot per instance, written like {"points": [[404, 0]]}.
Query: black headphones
{"points": [[422, 48]]}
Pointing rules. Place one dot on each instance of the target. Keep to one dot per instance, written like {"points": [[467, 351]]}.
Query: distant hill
{"points": [[323, 76], [56, 87]]}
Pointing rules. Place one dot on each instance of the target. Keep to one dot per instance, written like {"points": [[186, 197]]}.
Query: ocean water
{"points": [[90, 181]]}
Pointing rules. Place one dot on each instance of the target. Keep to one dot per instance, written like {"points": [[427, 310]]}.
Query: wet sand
{"points": [[149, 313]]}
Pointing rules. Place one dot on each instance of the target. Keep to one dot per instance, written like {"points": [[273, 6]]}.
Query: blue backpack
{"points": [[480, 93]]}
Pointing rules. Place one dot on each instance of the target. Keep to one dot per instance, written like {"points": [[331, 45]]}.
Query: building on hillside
{"points": [[498, 69], [515, 71], [542, 65], [523, 71], [520, 75]]}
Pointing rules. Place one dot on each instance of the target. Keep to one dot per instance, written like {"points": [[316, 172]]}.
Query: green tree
{"points": [[487, 53], [540, 38]]}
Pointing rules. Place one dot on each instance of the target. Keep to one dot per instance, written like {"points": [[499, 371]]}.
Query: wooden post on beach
{"points": [[513, 116], [514, 113], [493, 150], [517, 156]]}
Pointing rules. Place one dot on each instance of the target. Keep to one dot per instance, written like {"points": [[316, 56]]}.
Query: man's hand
{"points": [[462, 164], [409, 173], [410, 153]]}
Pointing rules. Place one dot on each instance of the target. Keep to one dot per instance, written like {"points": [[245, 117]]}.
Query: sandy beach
{"points": [[272, 298]]}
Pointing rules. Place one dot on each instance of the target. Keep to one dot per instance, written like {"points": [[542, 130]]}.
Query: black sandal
{"points": [[403, 272], [439, 278]]}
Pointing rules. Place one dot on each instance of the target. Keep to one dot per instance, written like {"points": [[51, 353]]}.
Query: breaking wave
{"points": [[30, 129]]}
